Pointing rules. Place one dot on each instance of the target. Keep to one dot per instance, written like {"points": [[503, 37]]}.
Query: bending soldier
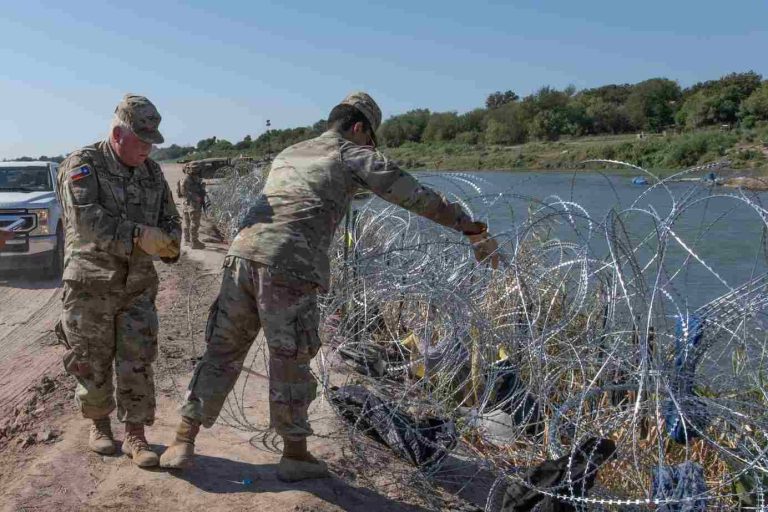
{"points": [[118, 214], [277, 264]]}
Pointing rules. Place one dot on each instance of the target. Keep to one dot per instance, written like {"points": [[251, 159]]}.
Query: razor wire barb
{"points": [[582, 315]]}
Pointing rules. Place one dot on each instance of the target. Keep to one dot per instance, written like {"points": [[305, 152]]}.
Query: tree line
{"points": [[654, 105]]}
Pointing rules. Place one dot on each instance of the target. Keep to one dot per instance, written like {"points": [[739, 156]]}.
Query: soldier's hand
{"points": [[473, 228], [171, 253], [156, 242], [485, 248]]}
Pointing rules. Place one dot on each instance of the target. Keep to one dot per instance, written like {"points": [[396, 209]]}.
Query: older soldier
{"points": [[193, 193], [118, 215], [277, 263]]}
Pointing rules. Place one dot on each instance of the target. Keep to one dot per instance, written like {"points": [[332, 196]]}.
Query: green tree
{"points": [[222, 145], [756, 105], [549, 124], [498, 98], [320, 126], [408, 127], [441, 127], [497, 132], [604, 109], [652, 104], [472, 121], [716, 101], [507, 124], [206, 144], [245, 143]]}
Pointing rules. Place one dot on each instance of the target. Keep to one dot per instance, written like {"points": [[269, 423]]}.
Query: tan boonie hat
{"points": [[142, 116], [365, 104]]}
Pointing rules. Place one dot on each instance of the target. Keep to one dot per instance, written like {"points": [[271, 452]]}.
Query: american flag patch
{"points": [[81, 172]]}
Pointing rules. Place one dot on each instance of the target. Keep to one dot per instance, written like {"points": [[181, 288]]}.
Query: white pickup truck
{"points": [[29, 204]]}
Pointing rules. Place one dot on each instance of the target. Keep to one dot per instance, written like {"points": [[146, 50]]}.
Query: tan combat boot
{"points": [[298, 464], [181, 453], [136, 447], [100, 439]]}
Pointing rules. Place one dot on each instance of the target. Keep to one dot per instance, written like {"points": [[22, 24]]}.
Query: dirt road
{"points": [[28, 310], [44, 462]]}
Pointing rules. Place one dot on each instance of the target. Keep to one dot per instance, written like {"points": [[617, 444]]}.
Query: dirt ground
{"points": [[44, 461]]}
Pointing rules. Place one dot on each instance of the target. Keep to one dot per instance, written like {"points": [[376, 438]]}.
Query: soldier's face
{"points": [[131, 150]]}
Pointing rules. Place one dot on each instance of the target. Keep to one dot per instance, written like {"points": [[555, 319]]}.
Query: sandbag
{"points": [[553, 476], [684, 418], [680, 484], [512, 397], [421, 443]]}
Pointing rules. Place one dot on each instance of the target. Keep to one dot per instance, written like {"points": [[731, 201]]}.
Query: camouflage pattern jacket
{"points": [[307, 194], [103, 200], [192, 192]]}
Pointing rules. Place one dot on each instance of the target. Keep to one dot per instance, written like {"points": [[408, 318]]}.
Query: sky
{"points": [[223, 68]]}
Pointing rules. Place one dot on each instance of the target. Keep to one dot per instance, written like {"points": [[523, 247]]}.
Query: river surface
{"points": [[722, 230]]}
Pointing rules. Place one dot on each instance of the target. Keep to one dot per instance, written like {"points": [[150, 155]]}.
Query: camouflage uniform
{"points": [[110, 284], [193, 194], [278, 261]]}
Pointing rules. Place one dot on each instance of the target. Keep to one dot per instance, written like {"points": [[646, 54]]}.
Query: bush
{"points": [[470, 138], [690, 149]]}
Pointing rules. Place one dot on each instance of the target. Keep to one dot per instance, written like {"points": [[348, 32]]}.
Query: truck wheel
{"points": [[56, 267]]}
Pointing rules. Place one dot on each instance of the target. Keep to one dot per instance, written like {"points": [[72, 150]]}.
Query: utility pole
{"points": [[269, 144]]}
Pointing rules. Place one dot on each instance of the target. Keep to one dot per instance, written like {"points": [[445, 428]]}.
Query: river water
{"points": [[719, 225]]}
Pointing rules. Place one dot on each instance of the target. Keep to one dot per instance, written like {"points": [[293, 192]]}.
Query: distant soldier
{"points": [[192, 191], [118, 215], [278, 262]]}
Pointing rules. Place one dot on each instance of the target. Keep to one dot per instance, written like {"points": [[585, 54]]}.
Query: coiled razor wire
{"points": [[583, 312]]}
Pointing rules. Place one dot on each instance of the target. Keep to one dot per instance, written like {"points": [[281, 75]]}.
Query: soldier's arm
{"points": [[373, 171], [170, 220], [79, 193]]}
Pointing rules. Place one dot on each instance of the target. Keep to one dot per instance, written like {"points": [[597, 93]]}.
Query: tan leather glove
{"points": [[171, 252], [485, 248], [156, 242]]}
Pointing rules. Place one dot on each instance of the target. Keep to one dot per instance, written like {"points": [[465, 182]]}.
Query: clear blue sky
{"points": [[223, 68]]}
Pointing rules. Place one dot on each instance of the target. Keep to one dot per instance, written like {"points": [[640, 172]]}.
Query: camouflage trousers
{"points": [[100, 327], [191, 223], [254, 296]]}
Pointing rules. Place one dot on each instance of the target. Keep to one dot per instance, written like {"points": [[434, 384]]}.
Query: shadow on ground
{"points": [[466, 480], [223, 476], [28, 280]]}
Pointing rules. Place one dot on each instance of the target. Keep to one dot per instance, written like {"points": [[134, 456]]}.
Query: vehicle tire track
{"points": [[28, 312]]}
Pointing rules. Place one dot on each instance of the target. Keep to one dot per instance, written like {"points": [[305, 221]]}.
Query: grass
{"points": [[744, 149]]}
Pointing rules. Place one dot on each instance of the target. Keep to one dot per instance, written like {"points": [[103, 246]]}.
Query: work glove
{"points": [[171, 253], [156, 242], [484, 247]]}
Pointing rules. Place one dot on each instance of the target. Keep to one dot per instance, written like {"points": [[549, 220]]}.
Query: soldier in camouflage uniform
{"points": [[118, 215], [192, 191], [277, 264]]}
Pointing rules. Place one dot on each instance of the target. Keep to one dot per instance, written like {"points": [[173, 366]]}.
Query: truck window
{"points": [[25, 179]]}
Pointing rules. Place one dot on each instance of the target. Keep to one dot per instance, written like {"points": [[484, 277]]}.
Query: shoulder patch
{"points": [[80, 172]]}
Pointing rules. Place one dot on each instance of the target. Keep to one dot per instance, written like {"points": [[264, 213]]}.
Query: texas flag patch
{"points": [[81, 172]]}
